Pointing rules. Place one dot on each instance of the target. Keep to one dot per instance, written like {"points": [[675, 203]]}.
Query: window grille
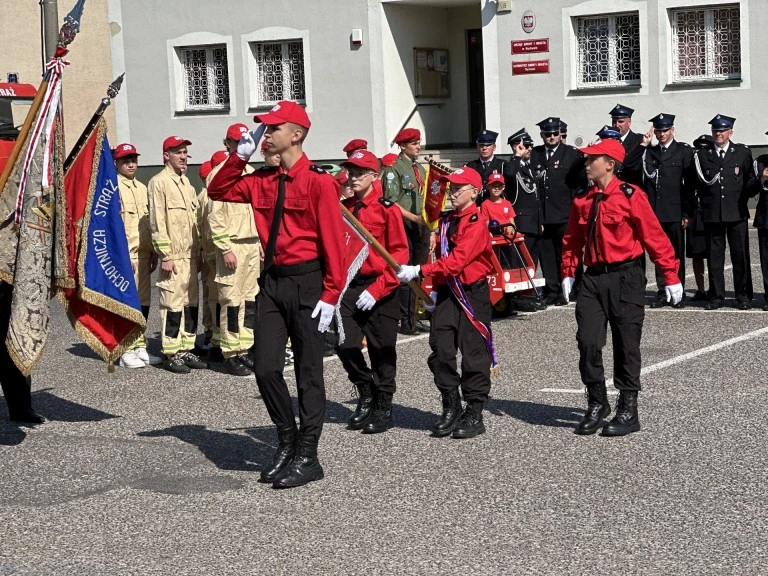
{"points": [[206, 77], [608, 51], [706, 44], [279, 72]]}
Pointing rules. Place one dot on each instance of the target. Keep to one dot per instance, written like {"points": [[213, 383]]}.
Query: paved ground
{"points": [[145, 472]]}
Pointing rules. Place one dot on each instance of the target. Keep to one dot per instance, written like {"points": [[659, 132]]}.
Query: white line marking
{"points": [[676, 359]]}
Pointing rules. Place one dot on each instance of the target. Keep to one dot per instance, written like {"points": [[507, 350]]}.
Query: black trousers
{"points": [[16, 387], [615, 298], [762, 243], [551, 254], [450, 331], [407, 304], [533, 243], [379, 326], [284, 310], [737, 234], [676, 235]]}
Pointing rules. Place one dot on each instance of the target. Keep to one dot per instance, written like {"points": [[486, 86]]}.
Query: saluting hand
{"points": [[246, 147], [648, 137]]}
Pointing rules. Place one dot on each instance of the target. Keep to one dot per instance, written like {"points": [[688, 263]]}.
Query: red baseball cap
{"points": [[264, 144], [174, 142], [363, 159], [389, 159], [236, 131], [204, 170], [608, 147], [124, 150], [407, 135], [218, 157], [285, 111], [495, 177], [465, 175], [342, 177], [356, 144]]}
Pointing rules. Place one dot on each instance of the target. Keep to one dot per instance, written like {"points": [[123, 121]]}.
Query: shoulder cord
{"points": [[652, 176], [701, 175]]}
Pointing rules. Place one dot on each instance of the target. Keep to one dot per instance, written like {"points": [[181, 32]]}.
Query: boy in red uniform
{"points": [[297, 215], [609, 227], [462, 313], [370, 306], [496, 207]]}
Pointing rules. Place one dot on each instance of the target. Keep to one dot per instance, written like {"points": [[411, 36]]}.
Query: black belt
{"points": [[295, 269], [604, 268]]}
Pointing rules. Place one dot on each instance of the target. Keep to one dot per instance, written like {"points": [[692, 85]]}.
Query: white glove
{"points": [[408, 273], [431, 307], [326, 315], [567, 285], [674, 293], [246, 147], [366, 301]]}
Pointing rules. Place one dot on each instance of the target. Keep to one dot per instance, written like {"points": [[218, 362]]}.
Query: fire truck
{"points": [[12, 94]]}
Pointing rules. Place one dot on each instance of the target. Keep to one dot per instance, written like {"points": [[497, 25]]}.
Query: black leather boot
{"points": [[626, 420], [286, 450], [598, 408], [451, 414], [304, 468], [471, 421], [18, 397], [362, 413], [381, 419]]}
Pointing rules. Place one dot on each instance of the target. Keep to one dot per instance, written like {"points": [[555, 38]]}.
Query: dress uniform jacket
{"points": [[725, 200], [633, 169], [485, 169], [758, 189], [524, 196], [670, 181], [559, 180], [173, 216], [402, 186]]}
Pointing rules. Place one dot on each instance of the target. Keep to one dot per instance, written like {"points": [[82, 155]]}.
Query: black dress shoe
{"points": [[286, 450], [27, 417], [659, 302], [743, 305], [713, 305], [234, 367], [561, 301], [550, 300], [304, 468], [699, 296], [680, 304], [765, 307]]}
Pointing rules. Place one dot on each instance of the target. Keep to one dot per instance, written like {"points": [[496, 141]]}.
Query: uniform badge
{"points": [[506, 209], [557, 164], [473, 218], [736, 170], [435, 188], [390, 176]]}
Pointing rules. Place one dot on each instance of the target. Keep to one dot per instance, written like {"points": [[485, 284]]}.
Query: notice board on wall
{"points": [[431, 76]]}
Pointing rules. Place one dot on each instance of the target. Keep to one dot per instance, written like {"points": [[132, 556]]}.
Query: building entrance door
{"points": [[476, 81]]}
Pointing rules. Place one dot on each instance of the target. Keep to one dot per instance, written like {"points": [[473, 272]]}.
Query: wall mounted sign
{"points": [[530, 67], [529, 46], [430, 68], [529, 21]]}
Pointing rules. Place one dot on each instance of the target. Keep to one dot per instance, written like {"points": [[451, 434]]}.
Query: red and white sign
{"points": [[529, 46], [528, 21], [530, 67], [14, 90]]}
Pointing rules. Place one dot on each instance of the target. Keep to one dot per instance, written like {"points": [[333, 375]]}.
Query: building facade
{"points": [[366, 68]]}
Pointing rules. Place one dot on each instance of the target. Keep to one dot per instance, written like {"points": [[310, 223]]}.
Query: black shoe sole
{"points": [[368, 430], [314, 477], [461, 434], [622, 432]]}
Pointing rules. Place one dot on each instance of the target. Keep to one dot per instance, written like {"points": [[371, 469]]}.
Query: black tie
{"points": [[274, 229], [663, 149], [722, 154], [591, 244], [549, 155], [356, 210], [485, 165]]}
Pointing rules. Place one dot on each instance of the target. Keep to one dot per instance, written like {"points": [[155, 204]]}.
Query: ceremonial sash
{"points": [[461, 296]]}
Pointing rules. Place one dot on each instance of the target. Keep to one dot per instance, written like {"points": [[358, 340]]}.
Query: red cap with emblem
{"points": [[218, 157], [495, 177], [284, 111], [204, 170], [124, 150], [236, 131], [463, 176], [407, 135], [356, 144], [342, 177], [610, 147], [174, 142], [363, 159]]}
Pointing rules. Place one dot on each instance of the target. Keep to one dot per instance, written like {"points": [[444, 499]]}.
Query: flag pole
{"points": [[381, 251]]}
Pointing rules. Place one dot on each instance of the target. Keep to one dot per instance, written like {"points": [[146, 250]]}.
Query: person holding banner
{"points": [[135, 213], [370, 307], [462, 313], [297, 213]]}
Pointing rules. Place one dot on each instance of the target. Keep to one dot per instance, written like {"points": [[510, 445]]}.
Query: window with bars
{"points": [[205, 77], [608, 51], [706, 44], [279, 72]]}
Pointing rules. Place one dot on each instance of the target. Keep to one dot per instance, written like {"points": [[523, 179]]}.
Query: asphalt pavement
{"points": [[147, 472]]}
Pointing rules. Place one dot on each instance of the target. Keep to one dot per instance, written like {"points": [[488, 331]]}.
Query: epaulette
{"points": [[445, 213], [266, 168], [474, 218], [386, 203], [628, 189], [316, 168], [684, 144]]}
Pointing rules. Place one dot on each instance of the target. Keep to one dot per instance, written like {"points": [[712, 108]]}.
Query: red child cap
{"points": [[363, 159], [218, 157], [465, 175], [204, 170], [236, 131], [608, 147], [495, 177], [124, 150]]}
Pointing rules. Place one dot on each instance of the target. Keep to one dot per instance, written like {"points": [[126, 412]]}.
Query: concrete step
{"points": [[455, 158]]}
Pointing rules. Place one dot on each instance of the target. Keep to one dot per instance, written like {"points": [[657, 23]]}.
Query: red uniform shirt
{"points": [[499, 211], [625, 225], [470, 251], [384, 221], [312, 225]]}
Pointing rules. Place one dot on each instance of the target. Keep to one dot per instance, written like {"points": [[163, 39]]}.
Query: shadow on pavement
{"points": [[227, 451], [405, 416], [537, 414], [10, 433], [59, 409]]}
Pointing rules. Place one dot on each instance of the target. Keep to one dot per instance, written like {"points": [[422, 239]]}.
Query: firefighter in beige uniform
{"points": [[173, 218], [135, 213]]}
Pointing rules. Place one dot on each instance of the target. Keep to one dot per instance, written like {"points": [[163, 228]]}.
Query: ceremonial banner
{"points": [[434, 193], [104, 305]]}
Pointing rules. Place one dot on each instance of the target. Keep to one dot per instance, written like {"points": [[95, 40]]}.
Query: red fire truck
{"points": [[10, 94]]}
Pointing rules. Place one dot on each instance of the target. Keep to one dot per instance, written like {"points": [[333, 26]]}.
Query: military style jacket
{"points": [[669, 180], [495, 165], [725, 183], [559, 180], [402, 186], [521, 190]]}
